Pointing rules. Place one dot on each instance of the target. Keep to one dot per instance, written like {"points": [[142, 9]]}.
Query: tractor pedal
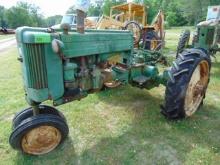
{"points": [[141, 79]]}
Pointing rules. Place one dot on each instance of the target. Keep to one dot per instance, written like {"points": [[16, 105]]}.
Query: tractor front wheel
{"points": [[26, 113], [186, 88], [39, 134]]}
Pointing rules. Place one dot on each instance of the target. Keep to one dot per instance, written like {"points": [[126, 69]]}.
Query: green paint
{"points": [[37, 95], [116, 117], [208, 32], [42, 38], [66, 76], [96, 43], [69, 71]]}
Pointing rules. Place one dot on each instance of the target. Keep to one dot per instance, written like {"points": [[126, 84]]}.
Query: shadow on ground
{"points": [[150, 139], [64, 154]]}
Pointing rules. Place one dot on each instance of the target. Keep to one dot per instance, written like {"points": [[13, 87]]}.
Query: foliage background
{"points": [[121, 126], [177, 12]]}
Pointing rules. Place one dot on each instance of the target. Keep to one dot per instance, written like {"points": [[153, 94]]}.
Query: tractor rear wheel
{"points": [[183, 41], [26, 113], [186, 88], [152, 41], [39, 134], [136, 29]]}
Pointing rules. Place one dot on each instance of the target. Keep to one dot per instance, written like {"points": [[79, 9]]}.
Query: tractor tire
{"points": [[26, 113], [183, 41], [186, 87], [152, 41], [40, 134], [136, 30]]}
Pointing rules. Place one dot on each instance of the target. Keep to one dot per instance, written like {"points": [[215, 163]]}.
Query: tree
{"points": [[2, 17], [36, 16], [53, 20], [34, 12], [17, 16], [174, 14], [94, 10], [108, 4], [196, 10], [106, 7], [24, 14], [177, 12], [71, 10]]}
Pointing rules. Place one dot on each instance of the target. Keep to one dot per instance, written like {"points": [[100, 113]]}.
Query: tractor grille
{"points": [[37, 66], [218, 36], [210, 36]]}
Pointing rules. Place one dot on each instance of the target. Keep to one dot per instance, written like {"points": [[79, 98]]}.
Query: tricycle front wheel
{"points": [[26, 113], [39, 134]]}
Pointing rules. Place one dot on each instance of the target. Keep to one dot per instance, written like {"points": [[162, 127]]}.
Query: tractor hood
{"points": [[209, 23]]}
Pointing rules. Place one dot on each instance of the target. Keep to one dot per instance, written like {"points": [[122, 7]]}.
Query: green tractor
{"points": [[207, 35], [68, 64]]}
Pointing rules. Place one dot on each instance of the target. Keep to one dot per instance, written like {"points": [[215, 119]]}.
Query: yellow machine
{"points": [[133, 16], [123, 14]]}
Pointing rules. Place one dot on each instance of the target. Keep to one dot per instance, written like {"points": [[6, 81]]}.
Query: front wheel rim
{"points": [[196, 88], [41, 140]]}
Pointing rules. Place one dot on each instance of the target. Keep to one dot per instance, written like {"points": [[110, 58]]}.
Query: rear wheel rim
{"points": [[41, 140], [136, 32], [196, 88], [153, 44]]}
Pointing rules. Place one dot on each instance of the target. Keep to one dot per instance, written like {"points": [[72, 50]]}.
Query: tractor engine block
{"points": [[65, 65]]}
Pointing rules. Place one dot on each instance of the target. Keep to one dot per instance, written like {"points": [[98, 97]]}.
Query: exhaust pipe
{"points": [[80, 16], [82, 7]]}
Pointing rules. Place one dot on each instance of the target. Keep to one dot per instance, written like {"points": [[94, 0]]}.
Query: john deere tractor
{"points": [[68, 64], [207, 35]]}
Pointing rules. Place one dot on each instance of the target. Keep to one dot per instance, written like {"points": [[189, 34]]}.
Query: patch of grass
{"points": [[118, 126], [172, 36], [6, 36]]}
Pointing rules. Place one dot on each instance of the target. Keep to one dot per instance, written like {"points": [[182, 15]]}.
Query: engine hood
{"points": [[209, 23]]}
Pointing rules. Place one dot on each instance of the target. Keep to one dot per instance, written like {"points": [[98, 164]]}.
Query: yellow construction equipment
{"points": [[133, 16]]}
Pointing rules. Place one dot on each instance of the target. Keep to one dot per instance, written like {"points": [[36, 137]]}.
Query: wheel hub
{"points": [[41, 140], [196, 88]]}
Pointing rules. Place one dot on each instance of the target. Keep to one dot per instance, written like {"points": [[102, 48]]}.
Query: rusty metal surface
{"points": [[41, 140], [80, 24], [196, 88]]}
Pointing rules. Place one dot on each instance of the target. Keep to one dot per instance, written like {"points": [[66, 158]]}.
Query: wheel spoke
{"points": [[195, 89]]}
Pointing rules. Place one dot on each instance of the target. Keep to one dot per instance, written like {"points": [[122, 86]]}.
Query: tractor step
{"points": [[141, 79]]}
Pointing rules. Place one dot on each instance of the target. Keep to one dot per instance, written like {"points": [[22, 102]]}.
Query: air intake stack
{"points": [[81, 9], [80, 21]]}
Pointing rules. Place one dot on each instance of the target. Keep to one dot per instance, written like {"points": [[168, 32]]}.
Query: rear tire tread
{"points": [[174, 94]]}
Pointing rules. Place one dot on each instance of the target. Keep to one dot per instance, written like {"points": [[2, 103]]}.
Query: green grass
{"points": [[119, 126], [172, 36], [6, 36]]}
